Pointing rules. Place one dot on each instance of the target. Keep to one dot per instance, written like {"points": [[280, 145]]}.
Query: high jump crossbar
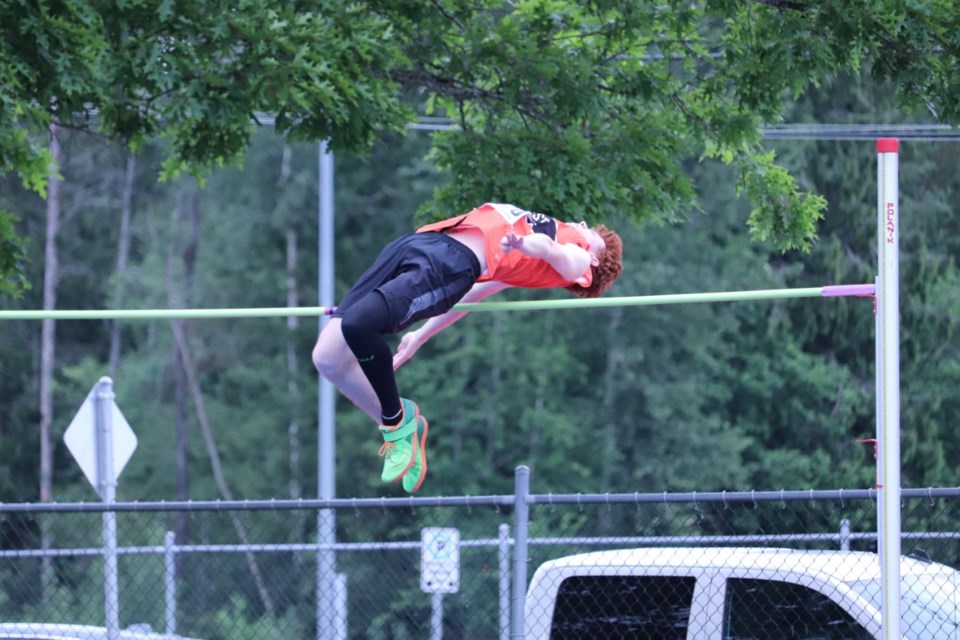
{"points": [[829, 291]]}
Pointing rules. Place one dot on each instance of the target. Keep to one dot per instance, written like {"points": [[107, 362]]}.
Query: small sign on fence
{"points": [[439, 560]]}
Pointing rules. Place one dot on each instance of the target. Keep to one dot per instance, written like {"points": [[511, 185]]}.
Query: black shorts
{"points": [[420, 275]]}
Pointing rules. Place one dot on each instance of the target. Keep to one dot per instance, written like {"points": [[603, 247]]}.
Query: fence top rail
{"points": [[726, 497], [260, 505], [829, 291], [694, 497], [496, 501]]}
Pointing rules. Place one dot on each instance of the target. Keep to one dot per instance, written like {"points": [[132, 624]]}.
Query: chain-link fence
{"points": [[458, 567]]}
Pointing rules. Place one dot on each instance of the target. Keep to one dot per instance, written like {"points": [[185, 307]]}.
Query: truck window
{"points": [[774, 610], [621, 607]]}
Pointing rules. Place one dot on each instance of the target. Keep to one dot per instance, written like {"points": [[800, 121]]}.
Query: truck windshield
{"points": [[929, 604]]}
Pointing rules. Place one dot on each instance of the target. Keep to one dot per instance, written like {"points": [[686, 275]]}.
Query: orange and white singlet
{"points": [[516, 268]]}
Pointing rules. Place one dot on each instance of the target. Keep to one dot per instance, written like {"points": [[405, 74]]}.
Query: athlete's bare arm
{"points": [[413, 340], [569, 260]]}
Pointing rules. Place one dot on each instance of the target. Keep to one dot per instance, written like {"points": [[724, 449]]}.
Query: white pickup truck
{"points": [[735, 594]]}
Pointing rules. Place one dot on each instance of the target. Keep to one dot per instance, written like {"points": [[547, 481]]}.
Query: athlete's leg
{"points": [[336, 362], [403, 429], [363, 327]]}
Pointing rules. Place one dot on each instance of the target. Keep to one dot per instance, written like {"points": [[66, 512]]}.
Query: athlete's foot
{"points": [[415, 475], [401, 444]]}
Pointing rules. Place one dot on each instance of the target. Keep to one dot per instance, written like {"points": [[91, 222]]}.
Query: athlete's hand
{"points": [[409, 343], [510, 242]]}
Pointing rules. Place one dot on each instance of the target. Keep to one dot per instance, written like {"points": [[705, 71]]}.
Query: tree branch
{"points": [[784, 5]]}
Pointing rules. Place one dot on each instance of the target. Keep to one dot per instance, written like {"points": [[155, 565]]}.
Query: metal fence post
{"points": [[326, 576], [326, 582], [521, 523], [103, 417], [341, 606], [845, 535], [170, 582], [503, 553], [436, 616]]}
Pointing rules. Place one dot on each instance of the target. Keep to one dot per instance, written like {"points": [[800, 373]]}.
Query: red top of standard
{"points": [[888, 145]]}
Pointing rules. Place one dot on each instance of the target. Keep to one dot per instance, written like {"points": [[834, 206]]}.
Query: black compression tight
{"points": [[363, 326]]}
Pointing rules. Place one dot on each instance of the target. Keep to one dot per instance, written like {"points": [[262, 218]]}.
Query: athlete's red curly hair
{"points": [[609, 269]]}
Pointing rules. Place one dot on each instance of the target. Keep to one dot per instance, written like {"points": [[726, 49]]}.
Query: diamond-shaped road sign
{"points": [[81, 439]]}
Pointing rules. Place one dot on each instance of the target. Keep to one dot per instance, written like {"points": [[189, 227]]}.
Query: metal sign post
{"points": [[439, 571], [102, 442]]}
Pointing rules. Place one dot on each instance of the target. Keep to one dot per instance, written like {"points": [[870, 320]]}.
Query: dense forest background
{"points": [[120, 125], [738, 396]]}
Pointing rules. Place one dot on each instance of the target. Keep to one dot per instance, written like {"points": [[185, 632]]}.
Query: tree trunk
{"points": [[177, 327], [293, 351], [47, 348], [181, 527], [179, 297], [543, 380], [180, 395], [496, 383], [293, 365], [612, 427], [123, 254], [49, 326]]}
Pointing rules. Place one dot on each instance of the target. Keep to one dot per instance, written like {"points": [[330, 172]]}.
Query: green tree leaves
{"points": [[783, 214], [195, 74], [592, 106], [13, 279]]}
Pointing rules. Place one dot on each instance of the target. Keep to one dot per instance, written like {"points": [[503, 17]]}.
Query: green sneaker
{"points": [[417, 472], [400, 444]]}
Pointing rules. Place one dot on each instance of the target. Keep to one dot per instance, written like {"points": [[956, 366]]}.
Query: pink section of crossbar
{"points": [[835, 290]]}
